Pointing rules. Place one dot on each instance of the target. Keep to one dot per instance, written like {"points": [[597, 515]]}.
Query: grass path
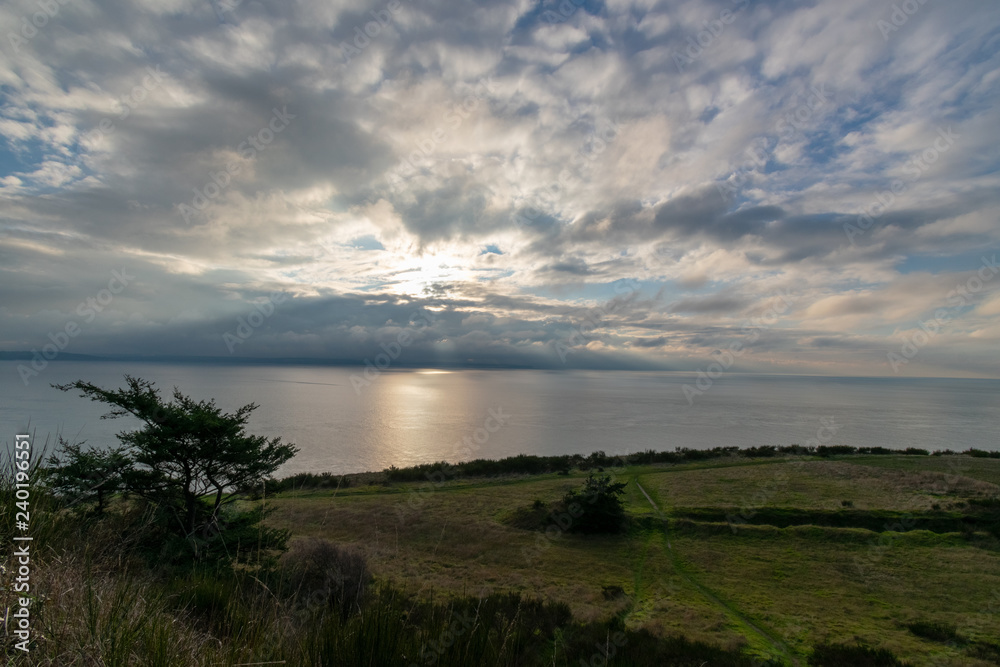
{"points": [[739, 618]]}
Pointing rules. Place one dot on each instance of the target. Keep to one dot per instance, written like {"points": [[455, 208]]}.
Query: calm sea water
{"points": [[413, 416]]}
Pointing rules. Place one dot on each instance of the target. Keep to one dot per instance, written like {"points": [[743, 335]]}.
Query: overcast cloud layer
{"points": [[811, 186]]}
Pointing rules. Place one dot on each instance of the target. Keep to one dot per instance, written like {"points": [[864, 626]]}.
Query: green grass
{"points": [[899, 483], [780, 591], [983, 469]]}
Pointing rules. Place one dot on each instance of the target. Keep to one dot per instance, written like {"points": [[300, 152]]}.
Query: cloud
{"points": [[507, 166]]}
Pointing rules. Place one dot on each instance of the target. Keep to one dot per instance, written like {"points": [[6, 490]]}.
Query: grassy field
{"points": [[987, 470], [732, 582]]}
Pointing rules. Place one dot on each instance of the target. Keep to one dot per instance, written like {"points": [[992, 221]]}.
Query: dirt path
{"points": [[737, 616]]}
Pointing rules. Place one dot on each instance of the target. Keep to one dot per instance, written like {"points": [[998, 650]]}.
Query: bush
{"points": [[937, 632], [320, 575], [598, 508], [982, 454], [613, 592], [529, 464], [835, 450], [612, 644], [838, 655], [985, 651]]}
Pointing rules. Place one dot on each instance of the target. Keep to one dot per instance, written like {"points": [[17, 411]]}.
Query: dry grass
{"points": [[86, 612], [802, 584], [983, 469], [817, 485], [453, 542]]}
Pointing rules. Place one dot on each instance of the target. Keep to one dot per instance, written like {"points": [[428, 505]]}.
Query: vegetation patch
{"points": [[936, 632], [528, 464], [873, 520], [858, 655]]}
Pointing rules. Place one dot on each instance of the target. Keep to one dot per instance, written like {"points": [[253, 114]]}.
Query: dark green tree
{"points": [[190, 459], [598, 507], [86, 475]]}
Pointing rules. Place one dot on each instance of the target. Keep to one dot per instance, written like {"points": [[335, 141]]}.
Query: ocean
{"points": [[344, 422]]}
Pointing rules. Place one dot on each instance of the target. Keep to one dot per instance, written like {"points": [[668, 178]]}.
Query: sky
{"points": [[733, 185]]}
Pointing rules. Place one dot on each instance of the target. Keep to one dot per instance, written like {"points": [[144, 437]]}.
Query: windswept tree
{"points": [[83, 475], [191, 460]]}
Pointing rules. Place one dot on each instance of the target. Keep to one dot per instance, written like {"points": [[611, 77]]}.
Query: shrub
{"points": [[982, 454], [612, 644], [937, 632], [598, 508], [321, 575], [985, 651], [859, 655], [612, 592], [835, 450]]}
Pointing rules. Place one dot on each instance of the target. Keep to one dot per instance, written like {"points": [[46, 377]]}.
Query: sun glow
{"points": [[431, 273]]}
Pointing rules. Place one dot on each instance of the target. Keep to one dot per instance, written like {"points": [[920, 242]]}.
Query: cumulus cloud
{"points": [[632, 181]]}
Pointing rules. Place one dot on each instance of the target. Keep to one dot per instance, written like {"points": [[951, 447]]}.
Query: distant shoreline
{"points": [[399, 365], [531, 464]]}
